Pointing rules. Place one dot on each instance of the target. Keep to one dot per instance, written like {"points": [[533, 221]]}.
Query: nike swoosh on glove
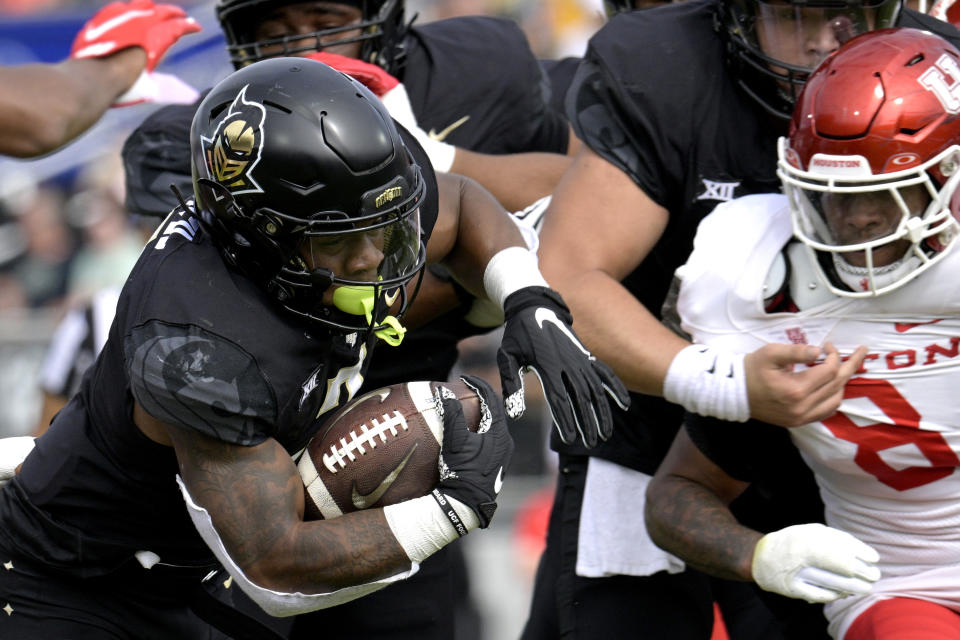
{"points": [[472, 465], [537, 337], [138, 23], [814, 562]]}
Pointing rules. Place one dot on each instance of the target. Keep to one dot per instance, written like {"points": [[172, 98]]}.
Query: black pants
{"points": [[674, 606], [419, 608], [129, 604]]}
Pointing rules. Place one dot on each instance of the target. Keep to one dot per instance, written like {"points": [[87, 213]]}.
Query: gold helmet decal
{"points": [[235, 148]]}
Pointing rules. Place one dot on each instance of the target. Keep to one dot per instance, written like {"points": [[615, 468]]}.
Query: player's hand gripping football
{"points": [[472, 464], [537, 337], [815, 563], [138, 23]]}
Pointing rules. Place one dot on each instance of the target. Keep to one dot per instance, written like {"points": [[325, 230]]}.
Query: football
{"points": [[380, 449]]}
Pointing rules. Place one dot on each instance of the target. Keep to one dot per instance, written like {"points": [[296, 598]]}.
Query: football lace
{"points": [[348, 449]]}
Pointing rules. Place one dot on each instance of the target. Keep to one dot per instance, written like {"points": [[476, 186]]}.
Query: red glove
{"points": [[372, 76], [138, 23]]}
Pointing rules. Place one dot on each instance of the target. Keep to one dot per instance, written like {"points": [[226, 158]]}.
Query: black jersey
{"points": [[197, 345], [560, 74], [654, 97], [475, 83]]}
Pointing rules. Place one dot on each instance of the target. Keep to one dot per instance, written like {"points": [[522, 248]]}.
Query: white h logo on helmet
{"points": [[945, 87]]}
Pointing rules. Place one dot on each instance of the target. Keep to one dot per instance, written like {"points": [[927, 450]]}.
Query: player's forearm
{"points": [[620, 331], [250, 501], [53, 104], [691, 522], [484, 228], [515, 180], [323, 556], [276, 550]]}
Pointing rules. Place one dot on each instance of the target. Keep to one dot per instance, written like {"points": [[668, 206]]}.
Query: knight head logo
{"points": [[234, 150]]}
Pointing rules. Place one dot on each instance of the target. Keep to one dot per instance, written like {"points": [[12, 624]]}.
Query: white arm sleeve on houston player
{"points": [[276, 603]]}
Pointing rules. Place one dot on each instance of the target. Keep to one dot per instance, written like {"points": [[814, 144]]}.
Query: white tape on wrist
{"points": [[709, 382], [510, 270], [422, 528]]}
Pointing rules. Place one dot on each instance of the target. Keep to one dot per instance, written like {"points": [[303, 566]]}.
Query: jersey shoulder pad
{"points": [[733, 251], [196, 379], [641, 117]]}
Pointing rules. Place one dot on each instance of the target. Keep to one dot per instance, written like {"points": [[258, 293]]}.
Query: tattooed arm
{"points": [[687, 513], [254, 496]]}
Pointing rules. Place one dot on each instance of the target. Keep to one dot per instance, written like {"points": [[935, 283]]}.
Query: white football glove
{"points": [[13, 451], [815, 563], [394, 96]]}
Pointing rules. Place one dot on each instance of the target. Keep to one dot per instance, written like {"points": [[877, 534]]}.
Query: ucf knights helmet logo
{"points": [[234, 150]]}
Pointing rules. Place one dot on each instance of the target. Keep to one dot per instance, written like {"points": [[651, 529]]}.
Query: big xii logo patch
{"points": [[234, 151]]}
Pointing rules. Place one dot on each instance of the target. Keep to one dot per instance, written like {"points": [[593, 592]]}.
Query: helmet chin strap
{"points": [[359, 300], [856, 277]]}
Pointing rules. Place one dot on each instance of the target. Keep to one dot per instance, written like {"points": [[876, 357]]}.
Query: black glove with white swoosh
{"points": [[472, 464], [537, 337]]}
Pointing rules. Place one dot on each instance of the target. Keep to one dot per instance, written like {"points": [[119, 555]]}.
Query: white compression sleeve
{"points": [[277, 603]]}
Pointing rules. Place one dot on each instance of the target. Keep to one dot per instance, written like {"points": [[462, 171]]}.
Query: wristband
{"points": [[450, 513], [510, 270], [708, 382], [422, 526]]}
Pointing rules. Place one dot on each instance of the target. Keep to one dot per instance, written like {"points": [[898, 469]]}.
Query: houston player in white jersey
{"points": [[859, 251]]}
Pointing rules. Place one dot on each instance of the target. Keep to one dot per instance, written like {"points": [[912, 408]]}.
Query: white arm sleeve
{"points": [[276, 603]]}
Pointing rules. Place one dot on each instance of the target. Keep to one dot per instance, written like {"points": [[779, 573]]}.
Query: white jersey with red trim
{"points": [[887, 461]]}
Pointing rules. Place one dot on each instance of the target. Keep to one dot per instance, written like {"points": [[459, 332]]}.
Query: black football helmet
{"points": [[381, 31], [289, 155], [751, 26]]}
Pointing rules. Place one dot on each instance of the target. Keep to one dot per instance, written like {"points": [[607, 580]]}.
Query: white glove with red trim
{"points": [[394, 96], [138, 23]]}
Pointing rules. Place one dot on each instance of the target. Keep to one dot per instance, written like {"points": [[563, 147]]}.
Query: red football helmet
{"points": [[871, 164]]}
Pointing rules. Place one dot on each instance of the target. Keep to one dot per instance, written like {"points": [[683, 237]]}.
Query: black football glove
{"points": [[537, 337], [472, 464]]}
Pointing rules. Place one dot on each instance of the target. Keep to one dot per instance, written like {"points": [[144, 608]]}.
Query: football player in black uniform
{"points": [[679, 108], [250, 314], [500, 110]]}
